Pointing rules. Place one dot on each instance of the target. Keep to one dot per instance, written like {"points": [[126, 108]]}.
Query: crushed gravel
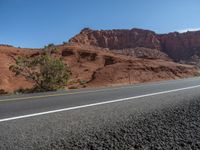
{"points": [[170, 121]]}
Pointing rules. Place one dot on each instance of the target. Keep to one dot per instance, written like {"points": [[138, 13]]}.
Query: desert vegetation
{"points": [[45, 71], [3, 92]]}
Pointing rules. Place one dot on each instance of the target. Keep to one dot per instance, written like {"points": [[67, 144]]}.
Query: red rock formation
{"points": [[92, 67], [179, 46], [99, 58], [141, 52], [118, 39]]}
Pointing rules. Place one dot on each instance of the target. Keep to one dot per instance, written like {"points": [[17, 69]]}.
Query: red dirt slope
{"points": [[92, 66]]}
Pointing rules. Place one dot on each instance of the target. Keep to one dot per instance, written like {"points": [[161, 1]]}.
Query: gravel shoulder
{"points": [[168, 121]]}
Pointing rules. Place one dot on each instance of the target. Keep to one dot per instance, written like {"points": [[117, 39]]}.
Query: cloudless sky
{"points": [[35, 23]]}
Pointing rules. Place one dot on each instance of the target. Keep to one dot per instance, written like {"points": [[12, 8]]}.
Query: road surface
{"points": [[70, 119]]}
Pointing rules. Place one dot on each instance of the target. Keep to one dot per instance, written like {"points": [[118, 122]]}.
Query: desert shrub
{"points": [[22, 90], [82, 82], [3, 92], [50, 48], [46, 72]]}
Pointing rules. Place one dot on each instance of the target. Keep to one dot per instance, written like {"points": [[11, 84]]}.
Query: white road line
{"points": [[89, 91], [73, 93], [96, 104]]}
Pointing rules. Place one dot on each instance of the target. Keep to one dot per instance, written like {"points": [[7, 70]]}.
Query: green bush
{"points": [[46, 72]]}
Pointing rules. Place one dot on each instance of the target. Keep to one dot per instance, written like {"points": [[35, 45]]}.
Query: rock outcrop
{"points": [[94, 67], [118, 39], [181, 46], [178, 46], [141, 52]]}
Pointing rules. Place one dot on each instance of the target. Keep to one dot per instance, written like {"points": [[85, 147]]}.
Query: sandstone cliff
{"points": [[178, 46]]}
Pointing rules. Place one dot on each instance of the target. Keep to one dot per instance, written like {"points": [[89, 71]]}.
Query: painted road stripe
{"points": [[96, 104], [55, 95], [80, 92]]}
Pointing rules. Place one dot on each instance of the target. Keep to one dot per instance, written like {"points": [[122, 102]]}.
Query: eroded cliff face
{"points": [[118, 39], [179, 46]]}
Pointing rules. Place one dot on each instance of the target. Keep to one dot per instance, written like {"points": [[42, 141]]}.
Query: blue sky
{"points": [[35, 23]]}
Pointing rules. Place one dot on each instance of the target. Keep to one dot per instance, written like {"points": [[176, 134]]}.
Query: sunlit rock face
{"points": [[179, 46]]}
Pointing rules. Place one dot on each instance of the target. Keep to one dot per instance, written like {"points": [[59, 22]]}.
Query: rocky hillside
{"points": [[94, 66], [8, 81], [178, 46], [141, 52]]}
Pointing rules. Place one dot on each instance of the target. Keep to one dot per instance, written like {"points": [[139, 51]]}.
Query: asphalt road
{"points": [[111, 118]]}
